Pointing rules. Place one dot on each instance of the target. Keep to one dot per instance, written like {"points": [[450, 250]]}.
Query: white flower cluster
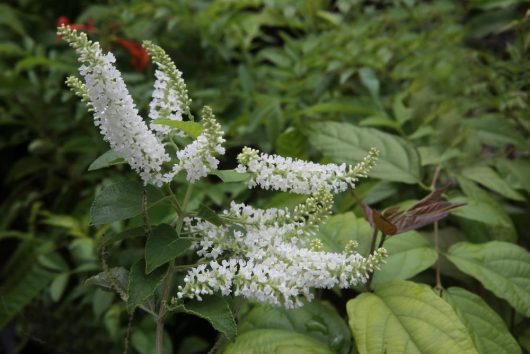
{"points": [[198, 158], [165, 104], [121, 125], [292, 175], [265, 257]]}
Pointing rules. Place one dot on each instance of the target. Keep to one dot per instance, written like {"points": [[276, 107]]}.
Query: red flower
{"points": [[139, 56], [88, 26]]}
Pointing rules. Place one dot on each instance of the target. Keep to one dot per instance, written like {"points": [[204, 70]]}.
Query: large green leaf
{"points": [[408, 254], [502, 267], [488, 330], [267, 341], [162, 246], [122, 200], [215, 310], [342, 142], [404, 317], [141, 286], [487, 177], [107, 159], [316, 320]]}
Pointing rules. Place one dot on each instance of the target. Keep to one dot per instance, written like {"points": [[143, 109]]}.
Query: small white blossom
{"points": [[292, 175], [164, 104]]}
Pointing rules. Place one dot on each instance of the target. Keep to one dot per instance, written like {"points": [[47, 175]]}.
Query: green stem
{"points": [[160, 319], [372, 249]]}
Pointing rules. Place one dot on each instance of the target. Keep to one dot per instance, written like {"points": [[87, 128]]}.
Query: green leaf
{"points": [[488, 330], [107, 159], [408, 254], [502, 267], [369, 80], [215, 310], [192, 129], [163, 246], [115, 280], [122, 200], [342, 142], [229, 176], [142, 286], [58, 286], [342, 228], [144, 341], [291, 143], [404, 317], [109, 239], [209, 215], [14, 296], [267, 341], [487, 177], [316, 320], [482, 207]]}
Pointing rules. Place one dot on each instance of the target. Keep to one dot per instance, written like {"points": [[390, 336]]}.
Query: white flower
{"points": [[114, 110], [292, 175], [164, 104]]}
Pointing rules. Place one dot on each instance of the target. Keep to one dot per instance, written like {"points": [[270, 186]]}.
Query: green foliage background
{"points": [[440, 87]]}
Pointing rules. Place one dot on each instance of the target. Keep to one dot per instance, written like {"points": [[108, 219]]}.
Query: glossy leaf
{"points": [[488, 330], [404, 317], [502, 267], [342, 142]]}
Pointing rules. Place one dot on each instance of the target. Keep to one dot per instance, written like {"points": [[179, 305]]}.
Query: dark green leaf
{"points": [[163, 246], [141, 285], [120, 201]]}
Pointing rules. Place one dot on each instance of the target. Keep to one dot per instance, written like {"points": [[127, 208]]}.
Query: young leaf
{"points": [[502, 267], [192, 129], [393, 221], [108, 158], [342, 142], [215, 310], [163, 246], [120, 201], [488, 330], [142, 286], [408, 255], [404, 317]]}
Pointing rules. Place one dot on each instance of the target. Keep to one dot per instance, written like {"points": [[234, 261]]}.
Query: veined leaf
{"points": [[342, 142], [316, 320], [120, 201], [162, 246], [192, 129], [488, 330], [408, 254], [487, 177], [342, 228], [142, 286], [267, 341], [502, 267], [215, 310], [404, 317]]}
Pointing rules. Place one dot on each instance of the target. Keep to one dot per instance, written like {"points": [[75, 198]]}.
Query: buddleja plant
{"points": [[266, 256]]}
